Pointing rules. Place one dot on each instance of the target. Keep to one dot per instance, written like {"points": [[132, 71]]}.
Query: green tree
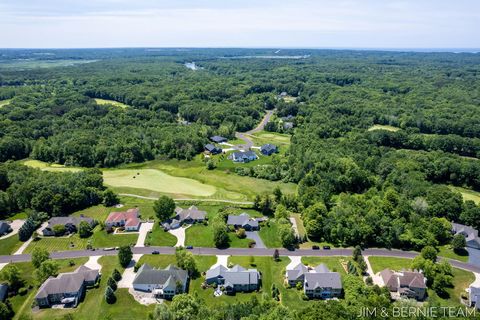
{"points": [[39, 255], [110, 198], [188, 307], [116, 275], [220, 234], [458, 243], [84, 229], [112, 283], [286, 235], [164, 207], [59, 230], [125, 256], [429, 253], [6, 311], [276, 255], [11, 273], [110, 297], [48, 268], [186, 260]]}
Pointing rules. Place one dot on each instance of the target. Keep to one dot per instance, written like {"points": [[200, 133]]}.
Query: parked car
{"points": [[189, 247], [155, 252], [326, 247], [315, 248], [109, 249]]}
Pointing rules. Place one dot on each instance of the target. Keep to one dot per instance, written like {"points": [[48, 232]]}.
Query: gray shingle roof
{"points": [[268, 148], [190, 213], [322, 280], [148, 275], [296, 272], [67, 282], [237, 275], [68, 220], [242, 220]]}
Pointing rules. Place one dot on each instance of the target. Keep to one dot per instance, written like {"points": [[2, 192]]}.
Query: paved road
{"points": [[188, 199], [245, 135], [241, 252]]}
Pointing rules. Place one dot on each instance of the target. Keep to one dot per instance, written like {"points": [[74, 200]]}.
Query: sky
{"points": [[240, 23]]}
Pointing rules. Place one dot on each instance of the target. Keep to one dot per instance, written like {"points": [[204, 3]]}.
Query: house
{"points": [[471, 235], [244, 221], [235, 279], [243, 156], [288, 125], [282, 95], [322, 284], [4, 228], [67, 288], [405, 284], [318, 282], [163, 283], [3, 292], [474, 297], [71, 224], [218, 139], [268, 149], [191, 215], [296, 274], [212, 149], [129, 219]]}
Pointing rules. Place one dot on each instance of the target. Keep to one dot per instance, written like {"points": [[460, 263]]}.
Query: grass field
{"points": [[467, 194], [159, 237], [278, 139], [269, 234], [397, 264], [332, 263], [447, 252], [383, 127], [49, 167], [4, 102], [157, 180], [110, 102], [9, 245]]}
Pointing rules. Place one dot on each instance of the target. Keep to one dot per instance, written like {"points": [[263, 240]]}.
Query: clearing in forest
{"points": [[111, 102], [467, 194], [156, 180], [4, 102], [383, 127]]}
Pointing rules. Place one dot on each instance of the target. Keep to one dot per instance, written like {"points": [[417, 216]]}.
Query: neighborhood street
{"points": [[244, 135], [240, 252]]}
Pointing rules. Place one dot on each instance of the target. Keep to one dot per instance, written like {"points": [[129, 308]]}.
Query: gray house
{"points": [[4, 228], [243, 221], [243, 156], [67, 288], [323, 285], [296, 274], [191, 215], [471, 235], [163, 283], [213, 149], [71, 224], [218, 139], [3, 292], [474, 297], [268, 149], [235, 279], [405, 284]]}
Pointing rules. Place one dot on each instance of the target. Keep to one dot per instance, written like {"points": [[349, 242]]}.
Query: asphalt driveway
{"points": [[255, 236]]}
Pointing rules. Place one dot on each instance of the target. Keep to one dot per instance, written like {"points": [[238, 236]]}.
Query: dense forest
{"points": [[356, 186]]}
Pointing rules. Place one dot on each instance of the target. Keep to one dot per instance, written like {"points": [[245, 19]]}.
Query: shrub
{"points": [[22, 291], [116, 275], [241, 233], [112, 283], [110, 296], [299, 286], [59, 230]]}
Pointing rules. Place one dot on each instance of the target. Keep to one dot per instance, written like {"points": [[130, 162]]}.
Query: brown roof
{"points": [[130, 217]]}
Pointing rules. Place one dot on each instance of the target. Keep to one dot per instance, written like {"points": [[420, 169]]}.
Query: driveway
{"points": [[15, 225], [129, 275], [179, 233], [92, 263], [145, 227], [294, 261], [244, 135], [474, 256], [255, 236], [294, 226], [221, 260], [376, 278]]}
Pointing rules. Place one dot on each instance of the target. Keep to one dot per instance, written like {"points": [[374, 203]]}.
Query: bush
{"points": [[22, 291], [112, 283], [299, 286], [59, 230], [136, 267], [110, 296], [369, 281], [116, 275], [241, 233], [125, 256], [251, 243], [71, 263]]}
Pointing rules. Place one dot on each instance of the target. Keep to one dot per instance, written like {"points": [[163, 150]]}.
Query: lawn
{"points": [[467, 194], [99, 239], [159, 237], [301, 228], [397, 264], [383, 127], [94, 305], [447, 252], [332, 263], [110, 102], [9, 245], [269, 234], [279, 139], [156, 180], [21, 304], [49, 167]]}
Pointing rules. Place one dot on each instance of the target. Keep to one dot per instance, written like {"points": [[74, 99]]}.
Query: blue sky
{"points": [[240, 23]]}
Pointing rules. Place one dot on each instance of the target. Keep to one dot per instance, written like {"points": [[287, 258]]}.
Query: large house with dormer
{"points": [[163, 283]]}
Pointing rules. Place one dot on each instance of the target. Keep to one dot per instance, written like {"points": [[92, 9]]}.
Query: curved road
{"points": [[241, 252], [244, 135]]}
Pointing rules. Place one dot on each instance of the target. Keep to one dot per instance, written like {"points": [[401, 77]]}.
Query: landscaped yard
{"points": [[397, 264], [447, 252], [22, 304], [332, 263], [9, 245], [269, 234], [159, 237]]}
